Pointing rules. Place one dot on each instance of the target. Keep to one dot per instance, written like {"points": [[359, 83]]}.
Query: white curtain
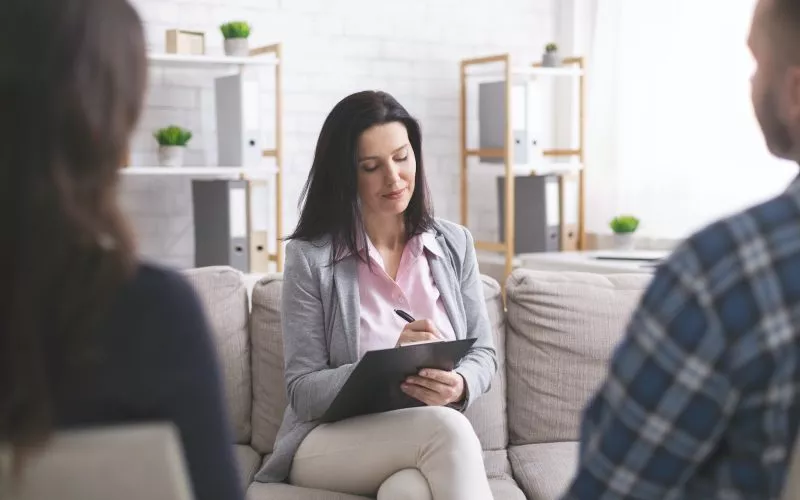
{"points": [[671, 134]]}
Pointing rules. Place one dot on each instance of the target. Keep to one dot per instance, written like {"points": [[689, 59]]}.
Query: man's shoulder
{"points": [[745, 249], [761, 230]]}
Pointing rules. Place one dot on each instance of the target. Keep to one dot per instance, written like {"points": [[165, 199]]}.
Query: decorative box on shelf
{"points": [[185, 42]]}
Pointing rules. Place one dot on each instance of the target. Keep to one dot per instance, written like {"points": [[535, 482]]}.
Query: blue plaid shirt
{"points": [[701, 399]]}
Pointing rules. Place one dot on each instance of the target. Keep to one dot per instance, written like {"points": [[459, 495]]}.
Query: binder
{"points": [[374, 385], [220, 223], [258, 226], [238, 121], [527, 121], [537, 221]]}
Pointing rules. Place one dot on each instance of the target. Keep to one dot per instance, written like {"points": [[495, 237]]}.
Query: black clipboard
{"points": [[374, 384]]}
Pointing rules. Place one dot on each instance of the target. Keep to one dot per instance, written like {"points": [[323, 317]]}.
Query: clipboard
{"points": [[374, 384]]}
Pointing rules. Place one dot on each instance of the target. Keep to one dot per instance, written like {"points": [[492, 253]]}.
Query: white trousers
{"points": [[418, 453]]}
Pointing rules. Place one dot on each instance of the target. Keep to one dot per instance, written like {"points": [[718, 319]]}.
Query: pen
{"points": [[404, 315]]}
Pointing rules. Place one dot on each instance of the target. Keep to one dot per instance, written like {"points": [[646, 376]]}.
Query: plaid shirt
{"points": [[701, 399]]}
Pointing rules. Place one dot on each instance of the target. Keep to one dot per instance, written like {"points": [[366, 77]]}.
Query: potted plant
{"points": [[172, 142], [624, 226], [236, 33], [550, 58]]}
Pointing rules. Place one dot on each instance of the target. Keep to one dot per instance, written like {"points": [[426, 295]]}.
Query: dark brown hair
{"points": [[329, 202], [72, 79]]}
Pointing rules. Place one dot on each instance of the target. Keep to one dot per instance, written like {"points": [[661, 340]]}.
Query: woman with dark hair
{"points": [[88, 335], [367, 244]]}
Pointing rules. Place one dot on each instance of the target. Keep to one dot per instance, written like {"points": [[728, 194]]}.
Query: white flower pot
{"points": [[237, 47], [623, 241], [551, 60], [170, 156]]}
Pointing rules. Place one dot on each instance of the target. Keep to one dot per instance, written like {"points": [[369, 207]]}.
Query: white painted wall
{"points": [[332, 48], [672, 137]]}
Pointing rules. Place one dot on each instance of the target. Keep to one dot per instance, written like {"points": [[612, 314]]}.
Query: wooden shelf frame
{"points": [[506, 153], [277, 153]]}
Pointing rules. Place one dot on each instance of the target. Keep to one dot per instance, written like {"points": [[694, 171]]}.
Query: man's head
{"points": [[775, 43]]}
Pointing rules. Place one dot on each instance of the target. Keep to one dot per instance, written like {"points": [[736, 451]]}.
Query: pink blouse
{"points": [[413, 291]]}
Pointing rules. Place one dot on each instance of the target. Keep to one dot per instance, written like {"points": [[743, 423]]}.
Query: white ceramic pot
{"points": [[237, 47], [551, 60], [170, 156], [623, 241]]}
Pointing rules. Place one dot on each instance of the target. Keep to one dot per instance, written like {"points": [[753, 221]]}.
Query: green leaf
{"points": [[624, 224], [172, 136], [235, 29]]}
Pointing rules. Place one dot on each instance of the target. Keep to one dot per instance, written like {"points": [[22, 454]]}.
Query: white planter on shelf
{"points": [[551, 60], [237, 47], [170, 156], [623, 241]]}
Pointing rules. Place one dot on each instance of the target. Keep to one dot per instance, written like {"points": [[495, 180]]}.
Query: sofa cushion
{"points": [[544, 471], [496, 464], [563, 327], [224, 298], [269, 389], [248, 461], [488, 413], [505, 489], [281, 491]]}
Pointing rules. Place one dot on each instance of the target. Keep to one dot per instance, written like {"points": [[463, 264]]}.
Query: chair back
{"points": [[121, 463]]}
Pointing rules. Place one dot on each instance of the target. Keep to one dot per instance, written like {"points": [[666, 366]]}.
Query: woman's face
{"points": [[386, 168]]}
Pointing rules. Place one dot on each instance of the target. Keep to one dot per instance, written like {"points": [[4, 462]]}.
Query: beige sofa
{"points": [[553, 343]]}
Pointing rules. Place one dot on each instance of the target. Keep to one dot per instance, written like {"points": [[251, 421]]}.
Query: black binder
{"points": [[374, 384]]}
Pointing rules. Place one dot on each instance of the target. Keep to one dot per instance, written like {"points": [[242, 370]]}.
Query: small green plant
{"points": [[172, 136], [624, 224], [235, 29], [551, 47]]}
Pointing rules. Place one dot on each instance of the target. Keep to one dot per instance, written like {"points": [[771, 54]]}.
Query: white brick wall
{"points": [[331, 48]]}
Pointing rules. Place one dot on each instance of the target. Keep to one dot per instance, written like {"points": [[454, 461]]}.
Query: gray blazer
{"points": [[320, 317]]}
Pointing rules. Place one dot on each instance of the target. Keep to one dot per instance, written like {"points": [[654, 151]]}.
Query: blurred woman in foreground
{"points": [[88, 335]]}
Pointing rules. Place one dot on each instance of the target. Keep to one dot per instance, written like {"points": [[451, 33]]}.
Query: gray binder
{"points": [[220, 224], [537, 225], [492, 121]]}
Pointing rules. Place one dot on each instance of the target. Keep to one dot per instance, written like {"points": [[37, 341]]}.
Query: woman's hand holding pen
{"points": [[421, 330]]}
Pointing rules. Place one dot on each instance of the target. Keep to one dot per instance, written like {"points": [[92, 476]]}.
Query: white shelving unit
{"points": [[261, 57], [221, 172], [549, 168], [206, 61], [525, 72]]}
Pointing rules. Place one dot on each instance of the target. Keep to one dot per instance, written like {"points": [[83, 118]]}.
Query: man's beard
{"points": [[776, 133]]}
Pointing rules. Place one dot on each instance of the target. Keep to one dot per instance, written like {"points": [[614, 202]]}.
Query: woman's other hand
{"points": [[435, 387], [421, 330]]}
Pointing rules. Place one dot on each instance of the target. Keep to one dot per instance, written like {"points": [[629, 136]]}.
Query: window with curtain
{"points": [[671, 133]]}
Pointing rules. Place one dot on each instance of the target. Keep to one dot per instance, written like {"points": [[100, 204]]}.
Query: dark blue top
{"points": [[157, 362], [701, 400]]}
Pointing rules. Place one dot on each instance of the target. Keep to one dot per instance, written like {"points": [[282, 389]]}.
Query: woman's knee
{"points": [[450, 425], [406, 484]]}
